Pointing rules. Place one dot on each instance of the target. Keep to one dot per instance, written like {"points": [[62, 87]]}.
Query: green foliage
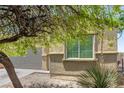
{"points": [[91, 19], [70, 22], [17, 48], [99, 77]]}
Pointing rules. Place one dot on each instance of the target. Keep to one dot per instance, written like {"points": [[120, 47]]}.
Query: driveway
{"points": [[4, 79]]}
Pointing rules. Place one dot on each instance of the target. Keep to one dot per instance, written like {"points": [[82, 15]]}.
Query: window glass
{"points": [[80, 49], [72, 49], [86, 48]]}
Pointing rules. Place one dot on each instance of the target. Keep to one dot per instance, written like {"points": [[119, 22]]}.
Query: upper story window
{"points": [[80, 49]]}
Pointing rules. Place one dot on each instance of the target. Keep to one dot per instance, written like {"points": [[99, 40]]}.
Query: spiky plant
{"points": [[98, 77]]}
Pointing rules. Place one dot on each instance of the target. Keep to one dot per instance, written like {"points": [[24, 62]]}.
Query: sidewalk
{"points": [[4, 79]]}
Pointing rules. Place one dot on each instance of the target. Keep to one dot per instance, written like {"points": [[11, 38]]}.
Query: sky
{"points": [[121, 40], [121, 43]]}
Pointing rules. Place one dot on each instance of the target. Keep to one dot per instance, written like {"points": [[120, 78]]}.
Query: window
{"points": [[80, 49]]}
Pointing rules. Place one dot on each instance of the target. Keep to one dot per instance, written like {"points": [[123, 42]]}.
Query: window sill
{"points": [[80, 59]]}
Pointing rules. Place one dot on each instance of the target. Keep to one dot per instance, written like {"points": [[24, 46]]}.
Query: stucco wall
{"points": [[109, 45], [109, 42], [59, 66], [57, 49], [45, 62]]}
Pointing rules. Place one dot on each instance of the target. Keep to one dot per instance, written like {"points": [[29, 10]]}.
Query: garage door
{"points": [[30, 61]]}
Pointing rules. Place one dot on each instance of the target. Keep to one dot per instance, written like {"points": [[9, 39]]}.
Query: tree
{"points": [[24, 27], [22, 21], [10, 70]]}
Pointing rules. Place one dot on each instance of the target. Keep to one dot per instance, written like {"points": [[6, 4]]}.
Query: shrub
{"points": [[99, 77]]}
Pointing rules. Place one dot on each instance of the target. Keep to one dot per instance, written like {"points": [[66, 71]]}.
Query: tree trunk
{"points": [[102, 57], [5, 61]]}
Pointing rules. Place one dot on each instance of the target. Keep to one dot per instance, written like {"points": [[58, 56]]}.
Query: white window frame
{"points": [[93, 54]]}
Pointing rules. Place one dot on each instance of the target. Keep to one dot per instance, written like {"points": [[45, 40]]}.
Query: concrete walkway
{"points": [[4, 79]]}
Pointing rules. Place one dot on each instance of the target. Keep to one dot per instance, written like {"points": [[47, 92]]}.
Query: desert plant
{"points": [[99, 77]]}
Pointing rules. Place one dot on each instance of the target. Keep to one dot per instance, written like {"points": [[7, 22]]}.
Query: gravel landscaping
{"points": [[43, 80], [40, 80]]}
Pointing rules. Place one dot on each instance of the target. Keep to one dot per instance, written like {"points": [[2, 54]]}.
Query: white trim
{"points": [[94, 45], [78, 49], [52, 53], [65, 50], [80, 59]]}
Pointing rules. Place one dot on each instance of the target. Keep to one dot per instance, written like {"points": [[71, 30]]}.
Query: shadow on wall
{"points": [[59, 65], [77, 65], [30, 61]]}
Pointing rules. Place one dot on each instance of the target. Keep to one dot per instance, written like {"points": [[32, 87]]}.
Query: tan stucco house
{"points": [[74, 57]]}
